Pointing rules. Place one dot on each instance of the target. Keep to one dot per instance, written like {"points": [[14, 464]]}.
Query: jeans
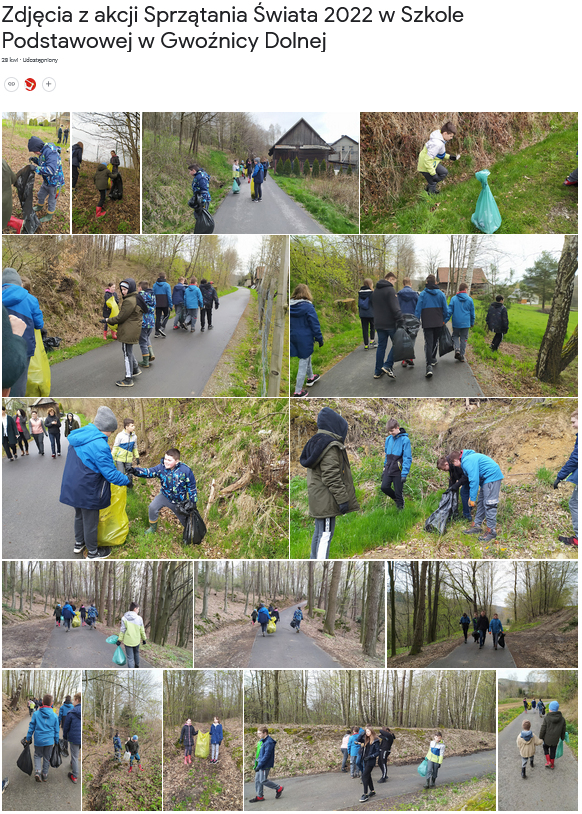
{"points": [[481, 637], [42, 756], [67, 624], [39, 441], [465, 631], [74, 750], [132, 655], [129, 360], [180, 312], [258, 191], [19, 386], [50, 194], [344, 758], [464, 492], [55, 440], [192, 316], [573, 504], [495, 637], [134, 757], [383, 336], [145, 340], [487, 503], [367, 325], [460, 337], [261, 780], [395, 493], [353, 767], [86, 522], [431, 344], [303, 371], [434, 180], [322, 536], [159, 502], [214, 750]]}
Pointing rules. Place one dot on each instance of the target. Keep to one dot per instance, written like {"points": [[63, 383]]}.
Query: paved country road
{"points": [[277, 214], [469, 655], [354, 376], [544, 789], [184, 361], [334, 791], [23, 792], [83, 647], [286, 648]]}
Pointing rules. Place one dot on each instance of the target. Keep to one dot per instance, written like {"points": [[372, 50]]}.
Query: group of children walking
{"points": [[552, 735], [65, 614], [44, 728]]}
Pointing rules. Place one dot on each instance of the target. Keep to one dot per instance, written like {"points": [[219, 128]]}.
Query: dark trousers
{"points": [[39, 441], [162, 315], [431, 343], [206, 314], [464, 492], [367, 776], [392, 486], [434, 180], [344, 758], [383, 336], [258, 191], [481, 637], [382, 760], [465, 629], [22, 442], [86, 522], [496, 341], [102, 193], [9, 449], [75, 176], [55, 440], [550, 750], [367, 325]]}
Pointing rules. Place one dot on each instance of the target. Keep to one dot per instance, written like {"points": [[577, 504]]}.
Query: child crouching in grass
{"points": [[305, 329], [526, 743]]}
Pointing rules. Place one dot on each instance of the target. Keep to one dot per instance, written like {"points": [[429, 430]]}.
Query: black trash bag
{"points": [[195, 528], [195, 202], [293, 623], [237, 179], [25, 189], [475, 635], [55, 758], [411, 325], [64, 747], [501, 639], [204, 222], [116, 191], [445, 341], [402, 345], [445, 512], [24, 762], [51, 342]]}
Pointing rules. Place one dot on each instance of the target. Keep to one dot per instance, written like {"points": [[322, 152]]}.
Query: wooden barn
{"points": [[301, 142], [346, 153], [480, 284]]}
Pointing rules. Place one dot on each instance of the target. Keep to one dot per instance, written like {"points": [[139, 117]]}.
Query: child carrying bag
{"points": [[24, 762]]}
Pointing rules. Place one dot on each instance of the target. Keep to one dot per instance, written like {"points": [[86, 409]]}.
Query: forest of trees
{"points": [[115, 131], [426, 599], [130, 700], [202, 694], [342, 590], [162, 589], [459, 699], [19, 685], [558, 684]]}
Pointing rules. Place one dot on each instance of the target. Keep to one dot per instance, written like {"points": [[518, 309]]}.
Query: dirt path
{"points": [[35, 633], [228, 647], [548, 644]]}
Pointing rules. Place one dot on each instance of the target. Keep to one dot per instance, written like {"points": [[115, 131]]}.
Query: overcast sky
{"points": [[330, 126]]}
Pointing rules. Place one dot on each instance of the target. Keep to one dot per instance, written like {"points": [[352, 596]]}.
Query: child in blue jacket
{"points": [[569, 472], [215, 739], [44, 725], [117, 747], [462, 313], [485, 478], [305, 330], [397, 461], [178, 486], [495, 628], [354, 750]]}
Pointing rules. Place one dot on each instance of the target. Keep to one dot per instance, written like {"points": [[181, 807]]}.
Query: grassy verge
{"points": [[527, 186], [477, 794], [572, 730], [506, 716], [78, 349], [323, 209], [222, 292], [247, 354]]}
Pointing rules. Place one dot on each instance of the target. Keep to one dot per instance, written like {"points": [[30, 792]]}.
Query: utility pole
{"points": [[281, 307]]}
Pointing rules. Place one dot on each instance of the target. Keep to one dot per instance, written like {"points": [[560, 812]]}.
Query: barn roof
{"points": [[344, 136], [287, 138], [478, 275]]}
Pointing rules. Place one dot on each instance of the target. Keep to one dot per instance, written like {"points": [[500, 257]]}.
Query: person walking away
{"points": [[178, 486], [115, 162], [569, 473], [304, 331], [433, 312], [526, 743], [38, 431], [433, 154], [485, 478], [533, 703], [497, 320], [258, 178], [475, 621], [163, 295], [263, 617], [370, 754], [101, 181], [397, 462], [407, 299], [209, 298], [129, 324], [92, 614], [9, 436], [83, 614], [276, 615], [541, 708], [249, 166], [435, 757], [57, 613], [178, 303], [552, 731], [330, 484], [344, 750], [387, 738], [458, 482], [264, 762], [53, 424], [31, 707], [20, 303], [462, 314], [117, 748], [68, 615], [254, 616], [147, 323], [64, 710], [89, 471], [132, 631], [482, 628], [495, 628], [50, 167], [110, 308], [387, 317], [216, 737], [200, 185], [465, 621], [70, 424], [525, 703], [23, 435], [76, 161], [59, 135], [66, 136], [125, 448], [193, 300], [132, 746], [366, 312], [187, 735], [44, 727], [298, 618], [265, 164]]}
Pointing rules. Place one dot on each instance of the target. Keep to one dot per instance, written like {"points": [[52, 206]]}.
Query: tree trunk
{"points": [[329, 623], [375, 589], [418, 634]]}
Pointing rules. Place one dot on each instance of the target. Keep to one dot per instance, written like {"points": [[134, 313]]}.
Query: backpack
{"points": [[263, 616]]}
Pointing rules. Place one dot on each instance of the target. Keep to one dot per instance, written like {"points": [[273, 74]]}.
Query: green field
{"points": [[324, 210]]}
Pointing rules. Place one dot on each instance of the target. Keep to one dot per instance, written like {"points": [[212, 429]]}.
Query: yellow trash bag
{"points": [[202, 744], [253, 188], [113, 521], [111, 303], [76, 621], [271, 627], [39, 371], [110, 168]]}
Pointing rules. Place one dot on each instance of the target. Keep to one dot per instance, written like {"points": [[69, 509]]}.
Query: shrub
{"points": [[306, 168], [349, 170], [323, 167], [287, 167], [296, 167], [315, 169]]}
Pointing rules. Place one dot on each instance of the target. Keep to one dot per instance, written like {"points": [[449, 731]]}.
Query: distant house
{"points": [[43, 405], [479, 285], [346, 153], [524, 297], [301, 142]]}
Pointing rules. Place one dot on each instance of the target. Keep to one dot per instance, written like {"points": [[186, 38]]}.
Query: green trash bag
{"points": [[560, 749], [119, 655], [202, 744], [423, 768], [113, 521], [486, 216], [567, 737], [235, 187], [111, 639]]}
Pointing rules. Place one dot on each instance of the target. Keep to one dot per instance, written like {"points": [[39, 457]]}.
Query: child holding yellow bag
{"points": [[110, 308]]}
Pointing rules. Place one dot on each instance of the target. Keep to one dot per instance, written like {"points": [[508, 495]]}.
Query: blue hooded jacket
{"points": [[20, 303], [495, 626], [161, 288], [398, 450], [148, 320], [432, 308], [571, 466], [353, 747], [216, 733], [178, 293], [193, 297], [89, 470], [117, 743], [67, 613], [266, 758], [72, 725], [66, 708], [305, 328], [479, 469], [178, 484], [50, 165], [407, 299], [462, 310], [201, 185], [45, 726]]}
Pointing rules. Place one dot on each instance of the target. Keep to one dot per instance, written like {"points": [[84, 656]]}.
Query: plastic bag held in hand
{"points": [[486, 216], [24, 762], [119, 656]]}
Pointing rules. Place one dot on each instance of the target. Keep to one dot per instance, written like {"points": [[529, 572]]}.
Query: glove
{"points": [[556, 483], [24, 741], [118, 642], [216, 306], [321, 343], [130, 470], [137, 461], [472, 503], [455, 157], [343, 507], [143, 644], [34, 160], [103, 322]]}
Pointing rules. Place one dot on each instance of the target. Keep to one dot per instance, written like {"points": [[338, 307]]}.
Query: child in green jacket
{"points": [[433, 153]]}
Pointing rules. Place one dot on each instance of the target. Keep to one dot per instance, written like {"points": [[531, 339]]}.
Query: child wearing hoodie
{"points": [[305, 330], [366, 312], [163, 294], [264, 762], [397, 461], [44, 726], [569, 472], [128, 322], [433, 153], [147, 323], [495, 628], [526, 743], [178, 487], [433, 312], [435, 757], [101, 181], [50, 167], [462, 314], [485, 478], [125, 448], [132, 631], [407, 299], [178, 303], [330, 485], [193, 300], [215, 739], [187, 736], [552, 731]]}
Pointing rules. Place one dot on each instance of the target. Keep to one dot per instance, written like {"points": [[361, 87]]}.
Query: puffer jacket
{"points": [[462, 311], [497, 319], [44, 725], [132, 746], [432, 308], [148, 319], [479, 469], [201, 186], [527, 742], [50, 166], [407, 299], [329, 476], [553, 728], [163, 294], [102, 176], [570, 469], [398, 454], [23, 305], [365, 307], [433, 152], [387, 313], [72, 725], [178, 484], [129, 318], [132, 630], [216, 733], [305, 328]]}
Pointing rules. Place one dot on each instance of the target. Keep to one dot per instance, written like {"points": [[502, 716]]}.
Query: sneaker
{"points": [[210, 327], [569, 541], [566, 183], [157, 335], [72, 777], [473, 530], [279, 792], [300, 395], [410, 362], [44, 778], [366, 347], [37, 777], [176, 327], [428, 373], [378, 375], [487, 538], [201, 330], [461, 358], [101, 554], [311, 381], [373, 343], [53, 455], [192, 330], [162, 333], [127, 382], [363, 798], [257, 800], [434, 362], [458, 355], [389, 372], [371, 793], [58, 454], [137, 372]]}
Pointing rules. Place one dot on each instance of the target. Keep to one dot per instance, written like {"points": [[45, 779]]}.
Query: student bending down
{"points": [[178, 486]]}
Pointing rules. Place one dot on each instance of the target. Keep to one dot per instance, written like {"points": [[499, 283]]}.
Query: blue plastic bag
{"points": [[235, 188], [423, 768], [486, 216], [119, 656]]}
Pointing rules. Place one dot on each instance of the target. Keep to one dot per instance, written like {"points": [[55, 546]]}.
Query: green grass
{"points": [[506, 716], [68, 352], [527, 186], [527, 324], [324, 210], [572, 730], [246, 355], [452, 797]]}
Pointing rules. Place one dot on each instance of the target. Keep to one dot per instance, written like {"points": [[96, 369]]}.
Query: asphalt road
{"points": [[277, 214], [469, 655], [184, 361], [34, 524], [23, 792], [354, 376], [544, 789], [333, 791], [286, 648], [82, 647]]}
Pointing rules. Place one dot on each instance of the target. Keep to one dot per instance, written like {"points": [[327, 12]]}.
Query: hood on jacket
{"points": [[383, 284], [331, 427], [407, 294], [85, 435], [497, 305], [13, 294], [431, 288], [35, 144], [329, 420], [526, 734], [132, 616], [462, 295], [299, 306], [436, 145], [130, 282]]}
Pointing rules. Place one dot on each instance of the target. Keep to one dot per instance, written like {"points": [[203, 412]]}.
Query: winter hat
{"points": [[11, 277], [134, 738], [554, 706], [35, 144], [105, 420]]}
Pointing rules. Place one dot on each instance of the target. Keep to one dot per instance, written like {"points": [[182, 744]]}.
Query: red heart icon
{"points": [[29, 84]]}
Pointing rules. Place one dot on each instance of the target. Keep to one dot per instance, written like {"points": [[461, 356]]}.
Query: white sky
{"points": [[520, 674], [95, 146], [330, 126]]}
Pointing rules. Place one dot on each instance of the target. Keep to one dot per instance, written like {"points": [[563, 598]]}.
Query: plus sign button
{"points": [[48, 84]]}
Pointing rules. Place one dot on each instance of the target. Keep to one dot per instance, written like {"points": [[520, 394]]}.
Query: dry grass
{"points": [[342, 189]]}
